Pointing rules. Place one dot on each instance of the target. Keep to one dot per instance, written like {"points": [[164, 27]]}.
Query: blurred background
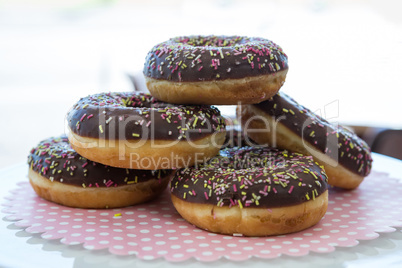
{"points": [[345, 57]]}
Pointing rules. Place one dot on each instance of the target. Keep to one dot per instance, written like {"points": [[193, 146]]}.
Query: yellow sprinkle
{"points": [[195, 122], [240, 204], [136, 135], [117, 215], [312, 173], [220, 52], [100, 128], [277, 66]]}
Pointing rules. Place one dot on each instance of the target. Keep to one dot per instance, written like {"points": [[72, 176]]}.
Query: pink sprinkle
{"points": [[206, 195], [234, 188], [82, 118], [85, 164], [90, 116], [291, 189]]}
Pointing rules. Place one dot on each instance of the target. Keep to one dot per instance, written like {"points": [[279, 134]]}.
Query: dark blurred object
{"points": [[381, 140], [388, 142]]}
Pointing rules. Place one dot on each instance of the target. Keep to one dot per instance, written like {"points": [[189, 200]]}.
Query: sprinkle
{"points": [[291, 189], [82, 118]]}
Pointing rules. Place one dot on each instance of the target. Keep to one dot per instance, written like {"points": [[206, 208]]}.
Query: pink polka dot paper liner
{"points": [[155, 230]]}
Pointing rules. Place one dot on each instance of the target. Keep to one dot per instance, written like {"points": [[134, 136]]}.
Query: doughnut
{"points": [[252, 192], [282, 122], [215, 69], [134, 130], [59, 174]]}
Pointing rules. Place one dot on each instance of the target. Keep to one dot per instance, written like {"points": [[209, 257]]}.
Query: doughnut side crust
{"points": [[253, 221], [148, 154], [246, 90], [263, 129], [102, 197]]}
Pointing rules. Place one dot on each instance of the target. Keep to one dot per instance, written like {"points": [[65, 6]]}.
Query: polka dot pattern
{"points": [[155, 230]]}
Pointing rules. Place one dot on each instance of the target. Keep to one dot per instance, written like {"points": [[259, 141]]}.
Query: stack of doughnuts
{"points": [[122, 149], [267, 176]]}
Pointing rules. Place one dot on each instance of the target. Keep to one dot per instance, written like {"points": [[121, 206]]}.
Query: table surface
{"points": [[22, 249]]}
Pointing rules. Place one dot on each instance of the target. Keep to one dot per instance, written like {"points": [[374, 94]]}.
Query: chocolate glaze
{"points": [[207, 58], [336, 142], [251, 177], [54, 159], [136, 116]]}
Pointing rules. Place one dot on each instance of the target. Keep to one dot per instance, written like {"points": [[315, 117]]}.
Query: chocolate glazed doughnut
{"points": [[282, 122], [215, 69], [58, 174], [253, 192], [134, 130]]}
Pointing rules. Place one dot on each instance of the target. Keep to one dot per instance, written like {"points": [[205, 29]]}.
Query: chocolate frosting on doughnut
{"points": [[135, 116], [251, 177], [336, 142], [206, 58], [54, 159]]}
